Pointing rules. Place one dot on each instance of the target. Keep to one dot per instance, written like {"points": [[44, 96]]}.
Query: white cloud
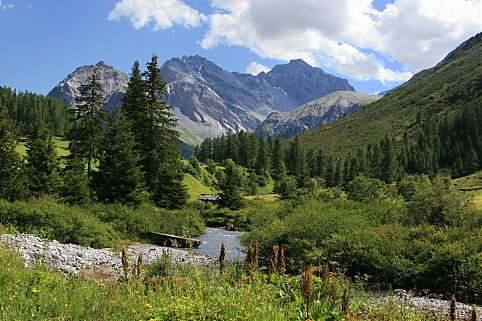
{"points": [[419, 33], [349, 36], [162, 14], [416, 33], [255, 68], [6, 6]]}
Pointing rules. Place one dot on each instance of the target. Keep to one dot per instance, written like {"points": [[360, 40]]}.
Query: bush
{"points": [[49, 219], [364, 189], [98, 225]]}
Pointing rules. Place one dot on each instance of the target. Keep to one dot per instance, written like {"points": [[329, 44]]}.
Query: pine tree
{"points": [[161, 162], [12, 179], [278, 168], [330, 172], [229, 184], [119, 178], [263, 161], [89, 122], [320, 164], [338, 177], [389, 164], [134, 103], [42, 163], [76, 186], [311, 163]]}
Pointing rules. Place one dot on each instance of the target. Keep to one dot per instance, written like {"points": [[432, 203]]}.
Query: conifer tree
{"points": [[338, 176], [229, 184], [161, 159], [389, 165], [119, 178], [12, 179], [311, 163], [134, 103], [320, 164], [42, 164], [263, 161], [76, 186], [89, 122]]}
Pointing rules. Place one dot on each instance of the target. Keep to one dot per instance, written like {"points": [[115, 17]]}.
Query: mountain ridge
{"points": [[313, 114], [210, 101]]}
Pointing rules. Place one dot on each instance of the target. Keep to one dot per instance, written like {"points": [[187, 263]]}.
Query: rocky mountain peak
{"points": [[304, 82], [112, 79]]}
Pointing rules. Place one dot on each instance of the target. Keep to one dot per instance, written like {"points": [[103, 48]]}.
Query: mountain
{"points": [[210, 101], [447, 87], [314, 114], [113, 80]]}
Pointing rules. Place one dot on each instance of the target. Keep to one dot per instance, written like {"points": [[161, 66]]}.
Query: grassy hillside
{"points": [[195, 187], [62, 147], [472, 184], [451, 84]]}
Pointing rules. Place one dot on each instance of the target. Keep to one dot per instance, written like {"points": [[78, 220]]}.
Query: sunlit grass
{"points": [[62, 147], [478, 200], [195, 187], [263, 197]]}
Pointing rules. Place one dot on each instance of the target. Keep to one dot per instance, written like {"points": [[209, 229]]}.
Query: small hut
{"points": [[209, 198]]}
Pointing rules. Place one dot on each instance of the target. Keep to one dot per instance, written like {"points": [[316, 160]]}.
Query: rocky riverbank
{"points": [[429, 306], [81, 260]]}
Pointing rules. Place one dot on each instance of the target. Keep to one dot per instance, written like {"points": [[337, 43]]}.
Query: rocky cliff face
{"points": [[113, 80], [303, 82], [314, 114], [208, 100]]}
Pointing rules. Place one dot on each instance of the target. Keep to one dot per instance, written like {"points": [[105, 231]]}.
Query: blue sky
{"points": [[376, 45]]}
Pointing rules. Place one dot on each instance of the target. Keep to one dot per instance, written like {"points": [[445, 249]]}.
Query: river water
{"points": [[214, 237]]}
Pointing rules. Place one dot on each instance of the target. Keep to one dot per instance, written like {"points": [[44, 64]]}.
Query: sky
{"points": [[375, 44]]}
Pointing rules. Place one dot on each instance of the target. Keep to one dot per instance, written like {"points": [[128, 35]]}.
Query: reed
{"points": [[473, 314], [222, 257], [140, 265], [453, 308], [125, 263], [307, 289]]}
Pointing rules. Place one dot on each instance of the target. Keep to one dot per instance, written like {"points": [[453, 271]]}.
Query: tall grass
{"points": [[181, 293]]}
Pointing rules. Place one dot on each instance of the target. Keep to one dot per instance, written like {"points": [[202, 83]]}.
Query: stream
{"points": [[214, 237]]}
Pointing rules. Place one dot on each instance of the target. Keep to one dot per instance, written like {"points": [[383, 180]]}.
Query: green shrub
{"points": [[49, 219], [96, 225]]}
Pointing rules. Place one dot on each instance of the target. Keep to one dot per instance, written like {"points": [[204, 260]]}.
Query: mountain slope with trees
{"points": [[446, 88], [26, 109]]}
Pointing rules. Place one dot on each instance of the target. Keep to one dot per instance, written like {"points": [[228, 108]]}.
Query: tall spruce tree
{"points": [[161, 158], [12, 178], [389, 164], [88, 122], [278, 164], [119, 178], [134, 104], [230, 185], [76, 186], [262, 161], [42, 163]]}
